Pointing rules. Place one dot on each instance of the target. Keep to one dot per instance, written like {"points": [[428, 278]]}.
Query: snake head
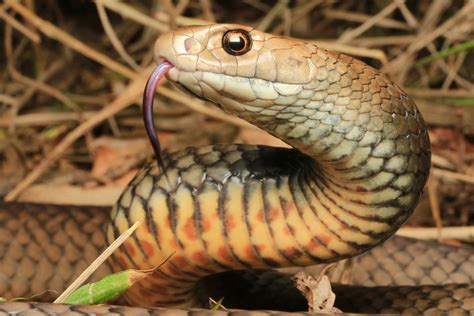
{"points": [[236, 67]]}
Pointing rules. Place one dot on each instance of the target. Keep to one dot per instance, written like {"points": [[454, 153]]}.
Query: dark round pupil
{"points": [[237, 43]]}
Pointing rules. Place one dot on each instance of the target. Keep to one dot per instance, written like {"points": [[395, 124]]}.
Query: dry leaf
{"points": [[317, 292], [116, 157]]}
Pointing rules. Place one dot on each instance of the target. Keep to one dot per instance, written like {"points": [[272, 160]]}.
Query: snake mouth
{"points": [[148, 96]]}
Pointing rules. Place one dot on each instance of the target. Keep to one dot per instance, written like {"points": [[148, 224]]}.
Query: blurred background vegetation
{"points": [[73, 73]]}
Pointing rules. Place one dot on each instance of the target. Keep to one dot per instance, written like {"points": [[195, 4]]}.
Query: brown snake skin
{"points": [[360, 160], [62, 248]]}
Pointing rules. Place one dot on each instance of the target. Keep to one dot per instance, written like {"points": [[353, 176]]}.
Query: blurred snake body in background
{"points": [[359, 162]]}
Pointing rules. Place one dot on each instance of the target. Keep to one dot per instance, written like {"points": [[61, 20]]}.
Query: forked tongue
{"points": [[148, 97]]}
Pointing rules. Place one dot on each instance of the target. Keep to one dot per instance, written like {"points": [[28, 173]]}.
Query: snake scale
{"points": [[359, 160]]}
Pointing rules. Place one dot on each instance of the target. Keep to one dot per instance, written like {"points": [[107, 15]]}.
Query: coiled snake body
{"points": [[360, 159]]}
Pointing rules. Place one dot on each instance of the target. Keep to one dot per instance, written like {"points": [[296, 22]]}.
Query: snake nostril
{"points": [[191, 45]]}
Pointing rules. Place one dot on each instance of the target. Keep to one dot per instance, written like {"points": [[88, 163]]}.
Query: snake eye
{"points": [[236, 42]]}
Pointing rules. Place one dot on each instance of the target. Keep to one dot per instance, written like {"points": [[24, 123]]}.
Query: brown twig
{"points": [[52, 70], [38, 85], [127, 97], [383, 40], [7, 99], [442, 162], [181, 6], [47, 89], [350, 35], [259, 5], [465, 233], [170, 9], [271, 15], [433, 93], [161, 21], [287, 20], [90, 99], [206, 7], [43, 119], [453, 175], [32, 35], [181, 20], [424, 39], [447, 69], [434, 203], [109, 30], [131, 13], [453, 72], [432, 15], [56, 33], [360, 17], [297, 14], [409, 17]]}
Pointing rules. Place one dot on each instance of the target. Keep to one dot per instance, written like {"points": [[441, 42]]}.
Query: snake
{"points": [[221, 218]]}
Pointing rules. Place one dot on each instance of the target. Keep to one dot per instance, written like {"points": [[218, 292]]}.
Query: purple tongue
{"points": [[148, 96]]}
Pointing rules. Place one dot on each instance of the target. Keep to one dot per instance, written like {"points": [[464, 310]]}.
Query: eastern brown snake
{"points": [[360, 159]]}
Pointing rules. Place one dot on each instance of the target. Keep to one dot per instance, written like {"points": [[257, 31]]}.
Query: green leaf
{"points": [[460, 101], [446, 52], [218, 305], [106, 289]]}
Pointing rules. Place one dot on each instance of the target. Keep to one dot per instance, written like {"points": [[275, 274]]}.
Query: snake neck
{"points": [[366, 137]]}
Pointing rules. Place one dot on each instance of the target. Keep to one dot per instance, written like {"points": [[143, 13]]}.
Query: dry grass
{"points": [[76, 70]]}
